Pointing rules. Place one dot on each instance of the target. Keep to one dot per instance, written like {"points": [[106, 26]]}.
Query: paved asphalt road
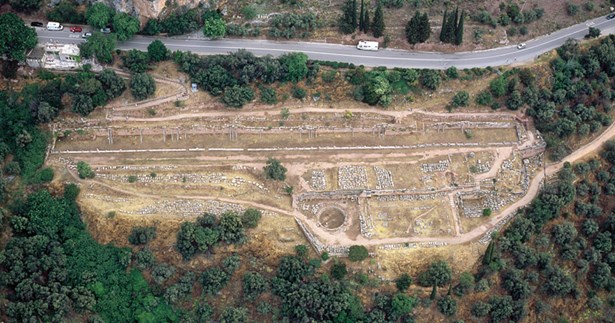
{"points": [[344, 53]]}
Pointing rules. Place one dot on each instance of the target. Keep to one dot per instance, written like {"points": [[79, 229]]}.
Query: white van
{"points": [[52, 25], [367, 45]]}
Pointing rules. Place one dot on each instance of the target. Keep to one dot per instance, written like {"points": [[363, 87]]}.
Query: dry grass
{"points": [[402, 218]]}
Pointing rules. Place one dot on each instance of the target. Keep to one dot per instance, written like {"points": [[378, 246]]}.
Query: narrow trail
{"points": [[503, 154], [395, 114], [180, 95]]}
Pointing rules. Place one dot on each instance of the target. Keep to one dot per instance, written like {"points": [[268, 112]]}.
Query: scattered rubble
{"points": [[318, 181], [352, 177], [384, 178]]}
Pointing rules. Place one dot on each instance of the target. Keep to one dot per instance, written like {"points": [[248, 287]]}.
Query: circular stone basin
{"points": [[332, 218]]}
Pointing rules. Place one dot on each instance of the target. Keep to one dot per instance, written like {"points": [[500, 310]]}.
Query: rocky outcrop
{"points": [[145, 9]]}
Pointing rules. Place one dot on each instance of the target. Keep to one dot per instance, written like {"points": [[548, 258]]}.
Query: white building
{"points": [[56, 56]]}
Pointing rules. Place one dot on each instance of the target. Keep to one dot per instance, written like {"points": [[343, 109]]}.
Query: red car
{"points": [[75, 29]]}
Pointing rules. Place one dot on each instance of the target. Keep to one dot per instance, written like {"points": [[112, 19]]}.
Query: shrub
{"points": [[71, 191], [142, 235], [231, 228], [132, 179], [403, 282], [480, 309], [324, 256], [151, 28], [236, 96], [461, 99], [145, 258], [572, 9], [268, 95], [593, 33], [329, 76], [299, 93], [498, 87], [84, 170], [487, 212], [213, 280], [231, 263], [162, 272], [248, 12], [588, 6], [253, 285], [357, 253], [274, 170], [45, 175], [301, 251], [484, 98], [250, 218], [452, 72], [338, 270], [447, 306], [430, 79]]}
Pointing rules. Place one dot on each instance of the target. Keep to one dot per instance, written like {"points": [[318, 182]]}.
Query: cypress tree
{"points": [[417, 31], [348, 24], [488, 257], [378, 26], [451, 24], [425, 28], [362, 17], [454, 23], [366, 20], [354, 15], [459, 30], [448, 32], [433, 292], [443, 29]]}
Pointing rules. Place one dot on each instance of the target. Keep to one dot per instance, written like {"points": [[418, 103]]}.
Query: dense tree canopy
{"points": [[142, 86], [418, 29], [27, 6], [16, 39], [99, 15], [66, 11], [438, 274], [100, 46], [136, 61], [157, 51], [125, 26], [214, 28]]}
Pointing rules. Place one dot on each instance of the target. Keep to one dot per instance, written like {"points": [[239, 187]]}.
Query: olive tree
{"points": [[142, 85]]}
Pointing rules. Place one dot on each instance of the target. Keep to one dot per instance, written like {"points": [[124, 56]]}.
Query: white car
{"points": [[521, 46]]}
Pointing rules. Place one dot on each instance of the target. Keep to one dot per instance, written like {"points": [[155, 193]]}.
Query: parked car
{"points": [[521, 46], [75, 29], [86, 34], [611, 16], [105, 30], [36, 24], [55, 26]]}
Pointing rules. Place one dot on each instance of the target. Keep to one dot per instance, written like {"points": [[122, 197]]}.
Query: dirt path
{"points": [[502, 154], [180, 95], [395, 114]]}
